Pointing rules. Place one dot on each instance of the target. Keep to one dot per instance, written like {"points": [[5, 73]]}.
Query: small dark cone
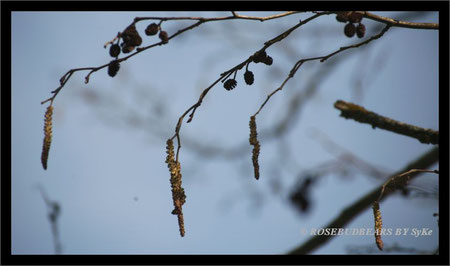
{"points": [[248, 77], [114, 50], [127, 49], [137, 40], [230, 84], [355, 17], [342, 17], [152, 29], [259, 57], [360, 30], [131, 36], [113, 68], [164, 37], [349, 30], [268, 60]]}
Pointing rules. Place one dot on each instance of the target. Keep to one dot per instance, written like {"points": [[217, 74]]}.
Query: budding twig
{"points": [[360, 114], [322, 59]]}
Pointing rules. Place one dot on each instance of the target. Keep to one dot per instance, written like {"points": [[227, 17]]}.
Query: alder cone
{"points": [[249, 78], [131, 36], [164, 36], [268, 60], [259, 57], [360, 30], [152, 29], [127, 49], [114, 50], [230, 84], [350, 30], [342, 16], [113, 68], [355, 17]]}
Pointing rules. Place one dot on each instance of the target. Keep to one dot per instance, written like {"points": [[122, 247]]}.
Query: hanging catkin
{"points": [[378, 224], [256, 147], [47, 136], [178, 195]]}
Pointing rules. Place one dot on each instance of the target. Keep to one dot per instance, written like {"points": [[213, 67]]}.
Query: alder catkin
{"points": [[178, 195], [378, 224], [47, 136], [256, 147]]}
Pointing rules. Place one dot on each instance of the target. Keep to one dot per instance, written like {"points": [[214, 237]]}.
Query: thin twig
{"points": [[385, 20], [346, 155], [401, 24], [322, 59], [54, 212], [401, 180], [200, 20], [234, 16], [360, 205], [360, 114], [227, 73]]}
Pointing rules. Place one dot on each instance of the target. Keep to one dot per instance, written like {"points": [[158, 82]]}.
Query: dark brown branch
{"points": [[360, 114], [401, 180], [227, 73], [322, 59], [234, 16], [355, 209], [402, 24], [201, 20]]}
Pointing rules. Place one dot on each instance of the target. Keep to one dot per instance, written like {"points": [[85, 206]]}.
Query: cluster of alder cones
{"points": [[259, 57], [352, 18], [131, 39]]}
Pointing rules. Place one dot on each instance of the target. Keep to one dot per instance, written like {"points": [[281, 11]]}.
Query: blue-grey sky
{"points": [[110, 177]]}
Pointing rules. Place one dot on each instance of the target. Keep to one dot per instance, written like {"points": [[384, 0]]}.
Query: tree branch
{"points": [[360, 114], [402, 24], [200, 20], [401, 180], [322, 59], [229, 72], [352, 211], [54, 213]]}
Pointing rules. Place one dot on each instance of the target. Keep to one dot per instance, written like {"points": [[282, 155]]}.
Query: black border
{"points": [[6, 258]]}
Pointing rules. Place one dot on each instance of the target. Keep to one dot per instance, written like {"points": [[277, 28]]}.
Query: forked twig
{"points": [[322, 59]]}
